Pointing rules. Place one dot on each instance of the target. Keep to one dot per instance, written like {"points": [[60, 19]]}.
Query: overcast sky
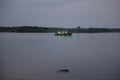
{"points": [[60, 13]]}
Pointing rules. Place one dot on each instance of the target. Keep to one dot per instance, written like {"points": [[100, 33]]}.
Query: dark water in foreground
{"points": [[38, 56]]}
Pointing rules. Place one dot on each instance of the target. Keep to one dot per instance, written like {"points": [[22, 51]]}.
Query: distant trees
{"points": [[78, 29], [31, 29], [97, 30], [23, 29]]}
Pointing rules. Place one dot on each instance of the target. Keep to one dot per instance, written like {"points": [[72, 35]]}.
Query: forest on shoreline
{"points": [[37, 29]]}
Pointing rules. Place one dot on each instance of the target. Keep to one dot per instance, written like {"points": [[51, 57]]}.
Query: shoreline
{"points": [[36, 29]]}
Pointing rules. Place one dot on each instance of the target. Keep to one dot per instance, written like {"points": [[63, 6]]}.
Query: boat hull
{"points": [[68, 34]]}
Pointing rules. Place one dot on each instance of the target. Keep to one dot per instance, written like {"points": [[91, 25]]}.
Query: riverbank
{"points": [[36, 29]]}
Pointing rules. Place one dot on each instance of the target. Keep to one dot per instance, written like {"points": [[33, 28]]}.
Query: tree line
{"points": [[37, 29]]}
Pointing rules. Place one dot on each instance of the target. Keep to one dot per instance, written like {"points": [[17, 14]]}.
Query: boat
{"points": [[63, 33]]}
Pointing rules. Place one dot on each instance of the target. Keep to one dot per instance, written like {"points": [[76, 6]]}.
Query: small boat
{"points": [[63, 33]]}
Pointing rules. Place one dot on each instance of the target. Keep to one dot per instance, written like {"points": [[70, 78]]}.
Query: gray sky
{"points": [[60, 13]]}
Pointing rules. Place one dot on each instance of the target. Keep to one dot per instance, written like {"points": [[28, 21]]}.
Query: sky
{"points": [[60, 13]]}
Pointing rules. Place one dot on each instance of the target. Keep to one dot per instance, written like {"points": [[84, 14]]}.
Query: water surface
{"points": [[39, 56]]}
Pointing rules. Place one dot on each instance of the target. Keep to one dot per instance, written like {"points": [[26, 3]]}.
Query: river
{"points": [[39, 56]]}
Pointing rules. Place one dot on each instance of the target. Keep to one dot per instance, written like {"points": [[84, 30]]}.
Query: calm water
{"points": [[39, 56]]}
